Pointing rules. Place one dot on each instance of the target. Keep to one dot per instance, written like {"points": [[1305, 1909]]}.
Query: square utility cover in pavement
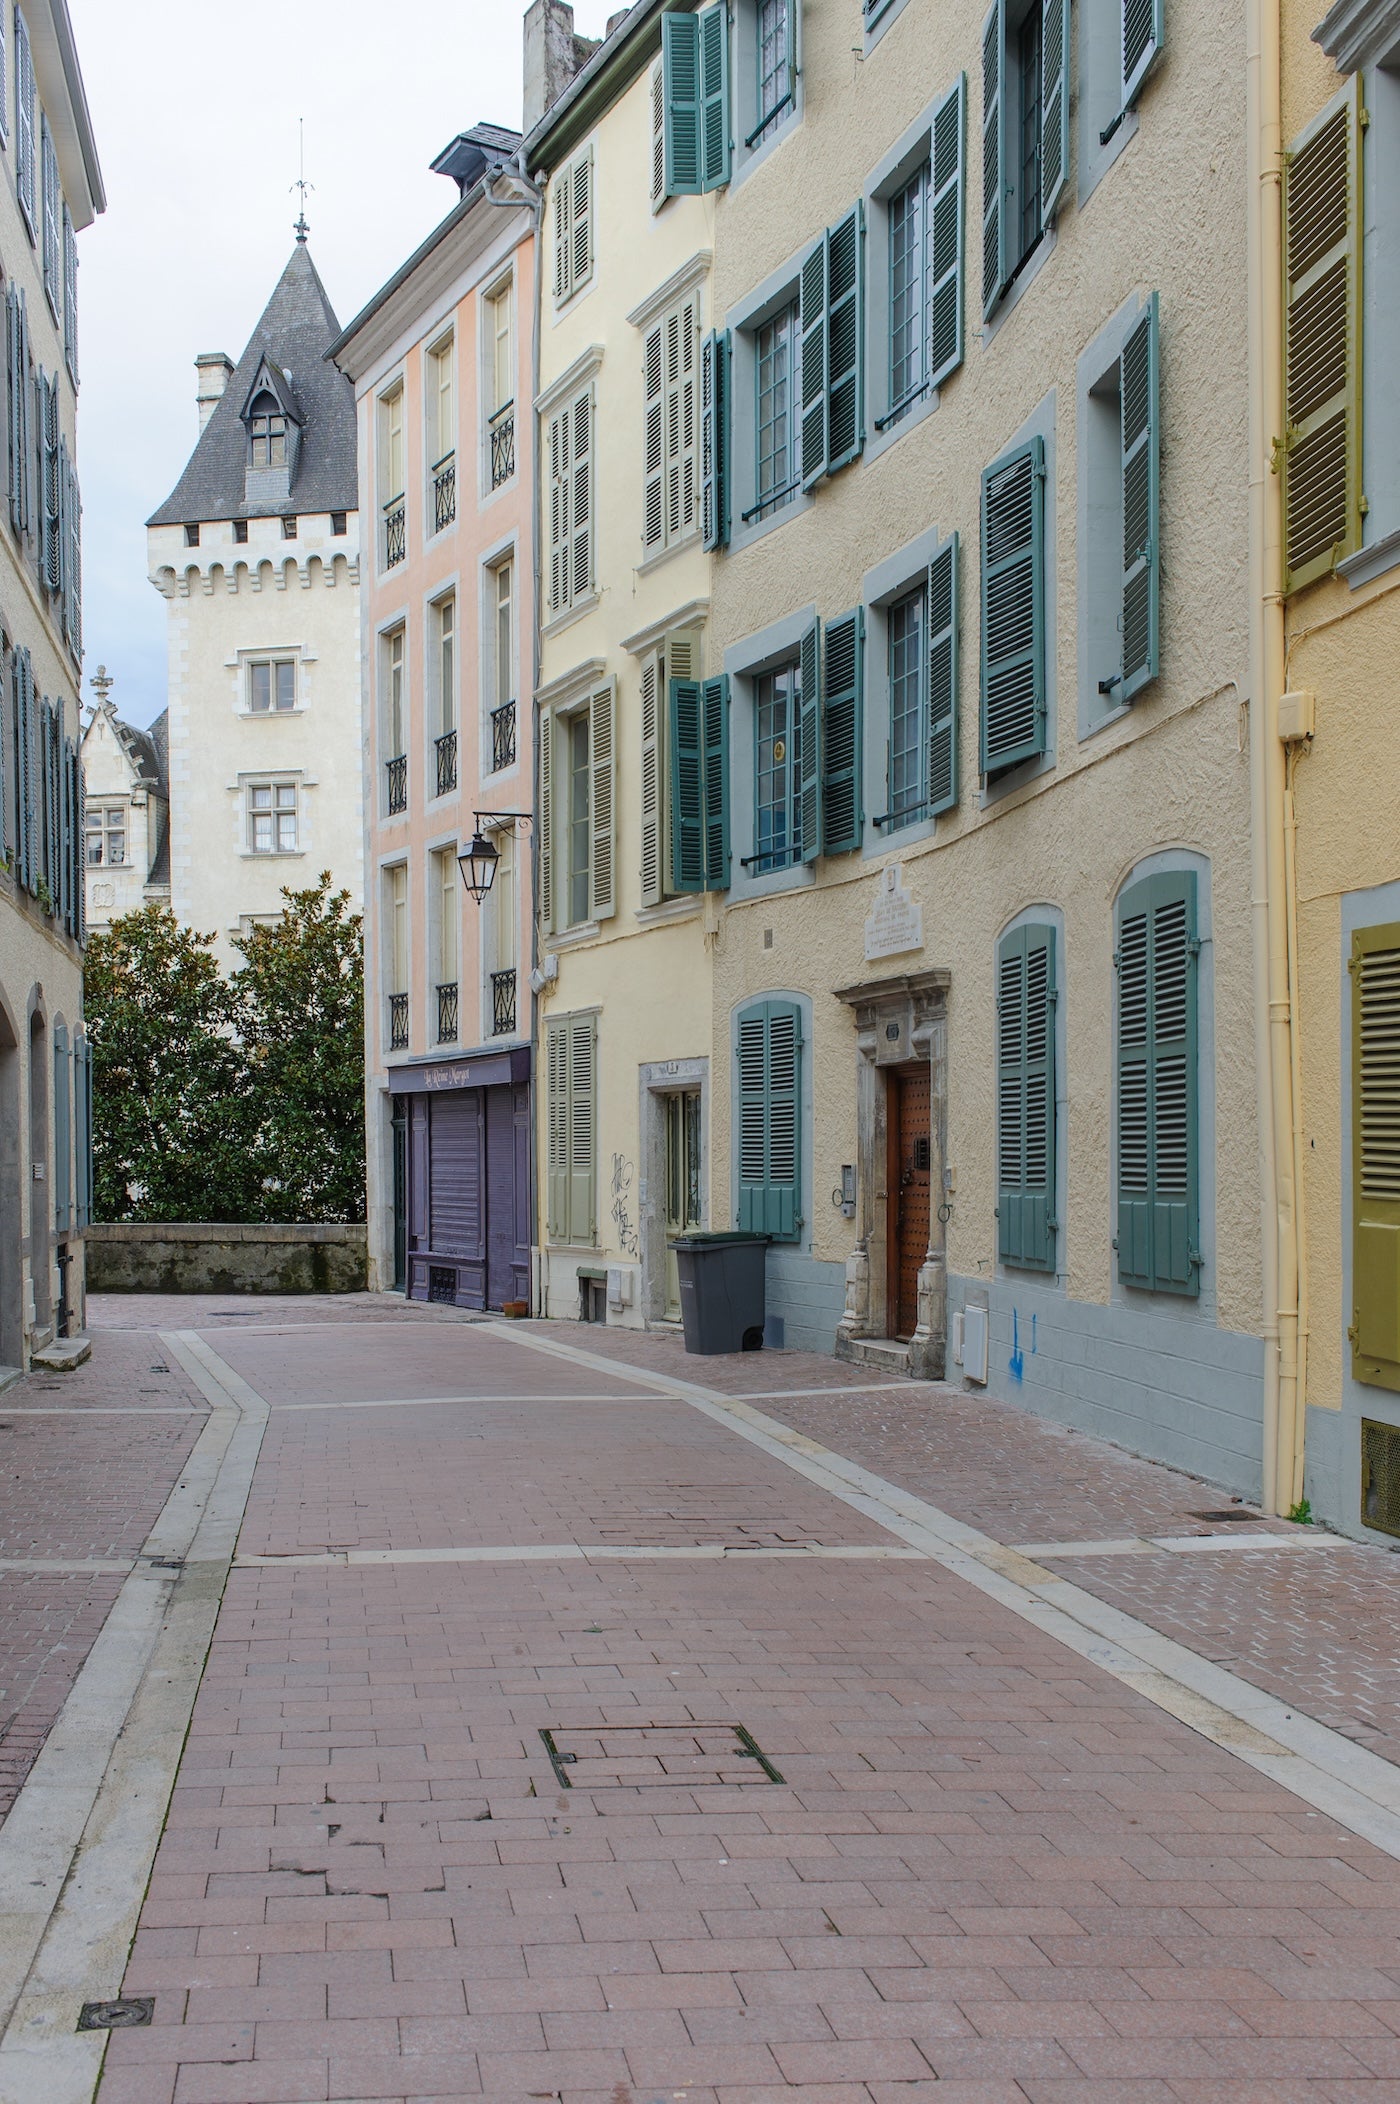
{"points": [[635, 1755]]}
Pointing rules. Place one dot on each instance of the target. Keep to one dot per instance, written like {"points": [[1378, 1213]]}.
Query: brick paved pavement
{"points": [[989, 1875], [82, 1478]]}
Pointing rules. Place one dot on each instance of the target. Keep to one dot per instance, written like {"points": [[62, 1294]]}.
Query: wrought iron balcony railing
{"points": [[444, 491], [394, 543], [397, 771], [502, 1003], [446, 763], [447, 1013], [398, 1022], [503, 737], [502, 433]]}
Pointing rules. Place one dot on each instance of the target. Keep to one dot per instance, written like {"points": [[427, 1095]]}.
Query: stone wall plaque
{"points": [[896, 921]]}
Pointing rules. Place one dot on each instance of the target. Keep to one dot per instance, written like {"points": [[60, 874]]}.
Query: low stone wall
{"points": [[212, 1257]]}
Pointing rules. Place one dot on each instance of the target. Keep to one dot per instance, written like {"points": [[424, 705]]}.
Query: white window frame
{"points": [[270, 659], [274, 785]]}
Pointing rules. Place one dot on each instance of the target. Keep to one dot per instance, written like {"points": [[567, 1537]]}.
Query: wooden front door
{"points": [[911, 1162]]}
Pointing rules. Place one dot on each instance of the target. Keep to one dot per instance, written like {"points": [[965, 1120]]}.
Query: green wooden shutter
{"points": [[809, 746], [943, 679], [544, 831], [993, 246], [813, 320], [843, 655], [73, 587], [680, 66], [13, 386], [1054, 103], [654, 412], [1375, 1124], [557, 1128], [685, 738], [715, 365], [714, 721], [653, 876], [845, 352], [1026, 1098], [1158, 1119], [1141, 454], [6, 767], [23, 685], [714, 96], [945, 277], [82, 1125], [53, 803], [50, 486], [1321, 453], [769, 1087], [583, 1111], [1013, 608], [602, 785], [62, 1132], [1141, 35]]}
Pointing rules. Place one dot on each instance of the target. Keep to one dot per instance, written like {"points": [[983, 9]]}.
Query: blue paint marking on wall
{"points": [[1034, 1319], [1018, 1357]]}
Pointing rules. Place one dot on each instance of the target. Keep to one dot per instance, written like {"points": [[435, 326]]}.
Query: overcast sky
{"points": [[195, 111]]}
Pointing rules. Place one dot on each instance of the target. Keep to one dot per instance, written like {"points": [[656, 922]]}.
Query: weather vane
{"points": [[301, 229]]}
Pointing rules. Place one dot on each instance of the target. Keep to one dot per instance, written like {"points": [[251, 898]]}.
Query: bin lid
{"points": [[715, 1241]]}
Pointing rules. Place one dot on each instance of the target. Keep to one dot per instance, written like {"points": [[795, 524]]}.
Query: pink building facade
{"points": [[441, 361]]}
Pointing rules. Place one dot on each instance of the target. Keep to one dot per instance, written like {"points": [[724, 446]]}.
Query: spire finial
{"points": [[101, 684], [300, 227]]}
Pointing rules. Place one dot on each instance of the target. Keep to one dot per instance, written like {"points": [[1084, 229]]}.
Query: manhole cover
{"points": [[125, 2015], [641, 1756]]}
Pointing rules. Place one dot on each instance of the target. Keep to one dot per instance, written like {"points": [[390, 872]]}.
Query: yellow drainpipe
{"points": [[1273, 1007]]}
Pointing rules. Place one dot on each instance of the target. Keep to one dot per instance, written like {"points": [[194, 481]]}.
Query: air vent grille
{"points": [[1380, 1476]]}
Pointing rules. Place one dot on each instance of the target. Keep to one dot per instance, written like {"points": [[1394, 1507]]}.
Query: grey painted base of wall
{"points": [[214, 1257], [1164, 1385], [805, 1301]]}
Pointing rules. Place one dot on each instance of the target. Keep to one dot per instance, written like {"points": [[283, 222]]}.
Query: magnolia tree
{"points": [[229, 1099]]}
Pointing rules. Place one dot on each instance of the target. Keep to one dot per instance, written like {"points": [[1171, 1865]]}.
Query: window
{"points": [[573, 226], [105, 827], [671, 499], [442, 431], [1026, 996], [921, 642], [779, 377], [1025, 134], [396, 955], [24, 121], [394, 719], [773, 21], [769, 1059], [501, 674], [289, 528], [240, 531], [444, 623], [1321, 451], [570, 462], [272, 685], [1375, 1189], [571, 1056], [267, 432], [576, 801], [1158, 1239], [499, 992], [923, 259], [500, 346], [391, 475], [1120, 546], [53, 219], [695, 92], [192, 534], [338, 520], [447, 887], [777, 698], [1014, 705], [832, 318], [272, 818]]}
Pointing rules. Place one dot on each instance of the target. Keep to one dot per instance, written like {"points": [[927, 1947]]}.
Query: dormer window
{"points": [[267, 428]]}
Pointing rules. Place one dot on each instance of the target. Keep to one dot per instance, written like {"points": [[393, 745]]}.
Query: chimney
{"points": [[553, 55], [615, 21], [215, 370]]}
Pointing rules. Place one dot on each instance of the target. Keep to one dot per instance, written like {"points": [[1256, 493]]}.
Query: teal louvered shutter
{"points": [[1142, 31], [1013, 608], [1141, 454], [685, 740], [714, 724], [680, 71], [51, 504], [13, 385], [53, 805], [714, 96], [1026, 1098], [22, 690], [943, 679], [70, 294], [945, 276], [769, 1087], [1054, 104], [80, 844], [1158, 1112], [843, 656], [845, 339], [26, 419], [24, 121], [73, 569], [73, 859], [715, 368], [583, 1179], [62, 1131], [82, 1129], [557, 1129], [809, 746], [993, 245], [813, 319], [6, 763]]}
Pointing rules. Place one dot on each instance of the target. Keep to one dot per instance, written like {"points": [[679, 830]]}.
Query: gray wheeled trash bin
{"points": [[722, 1291]]}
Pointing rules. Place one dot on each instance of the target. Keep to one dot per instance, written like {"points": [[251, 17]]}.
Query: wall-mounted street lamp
{"points": [[478, 862]]}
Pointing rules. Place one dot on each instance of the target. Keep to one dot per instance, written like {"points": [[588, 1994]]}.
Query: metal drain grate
{"points": [[442, 1284], [126, 2015], [645, 1756], [1233, 1515], [1380, 1476]]}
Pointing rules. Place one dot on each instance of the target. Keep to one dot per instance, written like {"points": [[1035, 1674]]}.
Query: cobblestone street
{"points": [[587, 1722]]}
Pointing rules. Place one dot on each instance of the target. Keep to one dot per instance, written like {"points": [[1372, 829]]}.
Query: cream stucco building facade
{"points": [[257, 554], [126, 813]]}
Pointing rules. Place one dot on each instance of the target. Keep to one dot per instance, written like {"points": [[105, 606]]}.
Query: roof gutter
{"points": [[396, 283]]}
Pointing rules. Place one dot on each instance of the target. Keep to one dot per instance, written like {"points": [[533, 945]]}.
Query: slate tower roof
{"points": [[297, 325]]}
